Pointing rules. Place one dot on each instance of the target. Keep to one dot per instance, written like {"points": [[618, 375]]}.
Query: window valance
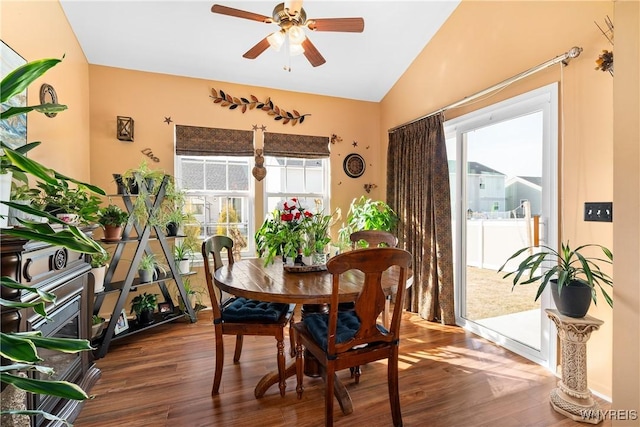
{"points": [[201, 141], [299, 146]]}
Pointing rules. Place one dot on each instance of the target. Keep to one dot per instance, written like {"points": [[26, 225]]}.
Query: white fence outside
{"points": [[491, 241]]}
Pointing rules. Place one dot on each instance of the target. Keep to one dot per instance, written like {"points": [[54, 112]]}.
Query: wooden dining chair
{"points": [[373, 238], [240, 316], [343, 339]]}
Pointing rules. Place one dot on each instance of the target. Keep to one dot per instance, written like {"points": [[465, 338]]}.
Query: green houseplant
{"points": [[98, 269], [19, 350], [148, 267], [97, 324], [112, 219], [573, 275], [60, 198], [367, 214], [143, 305], [283, 232], [183, 253]]}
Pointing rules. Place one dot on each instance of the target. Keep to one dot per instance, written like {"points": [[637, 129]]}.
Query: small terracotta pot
{"points": [[112, 233]]}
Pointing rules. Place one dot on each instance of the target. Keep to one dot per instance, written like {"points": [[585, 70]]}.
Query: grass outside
{"points": [[489, 295]]}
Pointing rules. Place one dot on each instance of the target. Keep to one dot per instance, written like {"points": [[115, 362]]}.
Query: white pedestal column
{"points": [[572, 398]]}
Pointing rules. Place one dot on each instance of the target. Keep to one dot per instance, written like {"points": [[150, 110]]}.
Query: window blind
{"points": [[202, 141], [299, 146]]}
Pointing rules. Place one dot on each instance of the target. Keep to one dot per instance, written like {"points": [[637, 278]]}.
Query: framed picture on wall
{"points": [[13, 131]]}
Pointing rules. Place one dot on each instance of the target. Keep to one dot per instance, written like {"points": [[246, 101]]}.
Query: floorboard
{"points": [[448, 378]]}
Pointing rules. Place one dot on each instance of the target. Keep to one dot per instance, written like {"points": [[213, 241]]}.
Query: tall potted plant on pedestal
{"points": [[573, 275]]}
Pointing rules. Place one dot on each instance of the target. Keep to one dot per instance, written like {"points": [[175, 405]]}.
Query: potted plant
{"points": [[573, 276], [318, 237], [183, 254], [283, 232], [98, 267], [175, 219], [74, 205], [193, 295], [20, 354], [367, 214], [23, 194], [148, 268], [143, 305], [142, 181], [97, 324], [143, 178], [112, 219]]}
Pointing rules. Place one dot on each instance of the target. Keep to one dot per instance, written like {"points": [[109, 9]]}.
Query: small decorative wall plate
{"points": [[354, 165], [48, 96]]}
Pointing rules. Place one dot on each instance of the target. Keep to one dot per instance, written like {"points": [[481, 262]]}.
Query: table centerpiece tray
{"points": [[300, 268]]}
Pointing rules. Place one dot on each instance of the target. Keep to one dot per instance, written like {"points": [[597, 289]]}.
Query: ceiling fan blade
{"points": [[256, 50], [312, 54], [225, 10], [347, 25]]}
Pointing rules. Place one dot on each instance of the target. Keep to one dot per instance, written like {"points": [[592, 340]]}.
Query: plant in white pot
{"points": [[98, 267], [573, 276], [183, 254]]}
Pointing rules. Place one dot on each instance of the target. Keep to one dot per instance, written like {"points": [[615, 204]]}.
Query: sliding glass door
{"points": [[503, 166]]}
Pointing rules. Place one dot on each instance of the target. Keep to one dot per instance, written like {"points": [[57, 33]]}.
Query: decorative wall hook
{"points": [[369, 187], [124, 130]]}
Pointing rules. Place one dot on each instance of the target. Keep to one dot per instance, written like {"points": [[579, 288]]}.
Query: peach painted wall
{"points": [[483, 43], [148, 98], [626, 237], [39, 30]]}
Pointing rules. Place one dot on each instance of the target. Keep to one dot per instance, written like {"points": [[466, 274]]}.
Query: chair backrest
{"points": [[374, 238], [372, 264], [212, 249]]}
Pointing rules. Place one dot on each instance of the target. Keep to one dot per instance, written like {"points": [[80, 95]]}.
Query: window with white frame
{"points": [[219, 195], [306, 179]]}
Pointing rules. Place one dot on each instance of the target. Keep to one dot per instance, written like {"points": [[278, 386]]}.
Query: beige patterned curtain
{"points": [[418, 190], [298, 146], [201, 141]]}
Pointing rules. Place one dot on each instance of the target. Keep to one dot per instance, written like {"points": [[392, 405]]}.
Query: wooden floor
{"points": [[448, 377]]}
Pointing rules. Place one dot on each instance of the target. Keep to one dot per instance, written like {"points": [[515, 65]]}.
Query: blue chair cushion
{"points": [[242, 309], [318, 323]]}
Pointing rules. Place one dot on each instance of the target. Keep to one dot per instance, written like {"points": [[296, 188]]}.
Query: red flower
{"points": [[286, 217]]}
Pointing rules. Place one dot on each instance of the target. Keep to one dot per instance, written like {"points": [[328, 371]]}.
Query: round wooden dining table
{"points": [[251, 278]]}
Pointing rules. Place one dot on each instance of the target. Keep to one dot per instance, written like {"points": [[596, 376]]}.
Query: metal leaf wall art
{"points": [[226, 100]]}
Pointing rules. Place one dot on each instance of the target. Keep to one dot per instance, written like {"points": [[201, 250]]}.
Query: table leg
{"points": [[339, 389]]}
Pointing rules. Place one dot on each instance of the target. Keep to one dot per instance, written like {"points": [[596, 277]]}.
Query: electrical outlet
{"points": [[598, 211]]}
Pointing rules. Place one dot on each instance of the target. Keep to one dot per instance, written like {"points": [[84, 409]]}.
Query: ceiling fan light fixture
{"points": [[295, 49], [296, 35], [276, 40]]}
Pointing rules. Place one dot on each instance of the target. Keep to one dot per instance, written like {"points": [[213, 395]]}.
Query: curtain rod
{"points": [[564, 58]]}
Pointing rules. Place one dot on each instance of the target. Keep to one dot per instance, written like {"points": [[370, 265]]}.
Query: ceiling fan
{"points": [[292, 20]]}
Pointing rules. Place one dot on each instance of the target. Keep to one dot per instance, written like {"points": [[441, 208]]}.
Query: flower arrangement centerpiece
{"points": [[317, 234], [284, 231]]}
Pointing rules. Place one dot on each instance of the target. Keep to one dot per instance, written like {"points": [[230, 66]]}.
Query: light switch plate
{"points": [[598, 211]]}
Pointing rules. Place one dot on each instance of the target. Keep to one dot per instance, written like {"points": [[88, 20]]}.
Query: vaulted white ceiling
{"points": [[185, 38]]}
